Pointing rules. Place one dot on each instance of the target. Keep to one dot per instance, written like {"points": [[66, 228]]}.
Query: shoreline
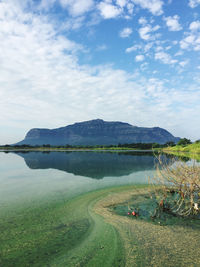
{"points": [[71, 150], [191, 155], [146, 243]]}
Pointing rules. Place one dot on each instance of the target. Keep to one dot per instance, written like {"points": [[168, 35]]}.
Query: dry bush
{"points": [[177, 186]]}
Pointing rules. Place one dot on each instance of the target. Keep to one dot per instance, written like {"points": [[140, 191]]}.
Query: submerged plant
{"points": [[177, 187]]}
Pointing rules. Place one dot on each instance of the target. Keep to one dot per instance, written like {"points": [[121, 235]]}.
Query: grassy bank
{"points": [[189, 151], [192, 148]]}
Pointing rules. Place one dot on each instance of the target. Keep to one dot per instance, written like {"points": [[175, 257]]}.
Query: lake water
{"points": [[25, 176]]}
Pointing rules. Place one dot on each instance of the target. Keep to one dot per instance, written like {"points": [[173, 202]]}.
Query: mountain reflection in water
{"points": [[91, 164]]}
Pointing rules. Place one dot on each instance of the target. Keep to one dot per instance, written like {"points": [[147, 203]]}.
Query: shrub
{"points": [[184, 142], [179, 187]]}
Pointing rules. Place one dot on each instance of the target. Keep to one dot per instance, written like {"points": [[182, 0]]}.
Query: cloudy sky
{"points": [[65, 61]]}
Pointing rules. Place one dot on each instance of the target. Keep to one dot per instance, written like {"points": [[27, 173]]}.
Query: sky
{"points": [[67, 61]]}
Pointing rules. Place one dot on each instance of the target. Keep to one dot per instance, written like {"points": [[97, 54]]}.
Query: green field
{"points": [[85, 231]]}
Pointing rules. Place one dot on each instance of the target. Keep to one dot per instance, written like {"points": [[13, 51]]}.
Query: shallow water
{"points": [[42, 224], [25, 176]]}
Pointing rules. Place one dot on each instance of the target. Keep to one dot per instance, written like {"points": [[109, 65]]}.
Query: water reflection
{"points": [[90, 164]]}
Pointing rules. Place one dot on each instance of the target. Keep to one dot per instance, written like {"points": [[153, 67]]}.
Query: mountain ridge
{"points": [[97, 132]]}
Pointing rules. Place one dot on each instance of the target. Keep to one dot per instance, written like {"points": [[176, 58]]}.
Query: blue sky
{"points": [[65, 61]]}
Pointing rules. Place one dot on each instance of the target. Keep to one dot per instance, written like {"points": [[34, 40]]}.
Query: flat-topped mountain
{"points": [[97, 132]]}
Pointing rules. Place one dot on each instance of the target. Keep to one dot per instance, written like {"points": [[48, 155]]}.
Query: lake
{"points": [[26, 176], [55, 211]]}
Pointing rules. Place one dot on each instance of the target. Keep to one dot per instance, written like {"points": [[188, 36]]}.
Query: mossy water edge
{"points": [[45, 234]]}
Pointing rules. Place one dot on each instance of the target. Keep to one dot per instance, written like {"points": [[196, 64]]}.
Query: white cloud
{"points": [[121, 3], [154, 6], [145, 32], [173, 23], [133, 48], [192, 39], [126, 32], [108, 10], [102, 47], [187, 41], [191, 42], [183, 63], [194, 3], [139, 58], [179, 53], [155, 28], [43, 85], [168, 47], [144, 66], [130, 8], [195, 26], [77, 7], [148, 46], [112, 9], [46, 4], [73, 23], [142, 21], [159, 48], [165, 58]]}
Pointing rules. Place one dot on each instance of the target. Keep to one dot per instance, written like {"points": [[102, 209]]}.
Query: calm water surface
{"points": [[25, 176]]}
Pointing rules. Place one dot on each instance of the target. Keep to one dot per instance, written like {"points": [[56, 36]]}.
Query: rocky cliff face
{"points": [[97, 132]]}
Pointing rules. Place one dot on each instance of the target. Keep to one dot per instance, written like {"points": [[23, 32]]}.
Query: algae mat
{"points": [[84, 232], [59, 232]]}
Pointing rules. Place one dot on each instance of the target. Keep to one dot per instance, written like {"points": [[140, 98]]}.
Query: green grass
{"points": [[192, 148], [190, 151]]}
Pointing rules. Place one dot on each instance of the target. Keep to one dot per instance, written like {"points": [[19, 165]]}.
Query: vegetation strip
{"points": [[187, 147]]}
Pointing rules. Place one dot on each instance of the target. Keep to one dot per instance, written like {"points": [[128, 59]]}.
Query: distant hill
{"points": [[97, 132]]}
